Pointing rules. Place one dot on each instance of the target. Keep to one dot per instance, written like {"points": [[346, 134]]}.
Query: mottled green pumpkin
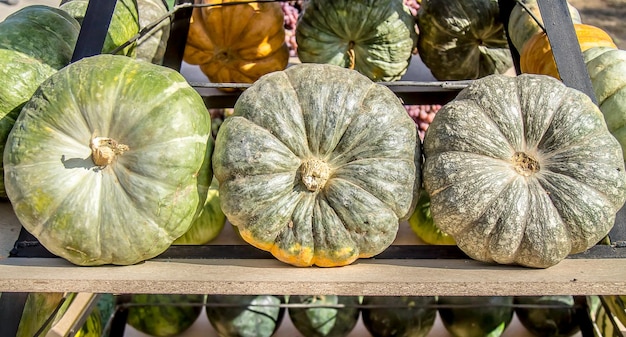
{"points": [[164, 315], [523, 170], [400, 316], [102, 165], [462, 39], [522, 26], [151, 47], [324, 315], [123, 26], [21, 75], [607, 70], [318, 165], [375, 37], [209, 223], [245, 315], [45, 33]]}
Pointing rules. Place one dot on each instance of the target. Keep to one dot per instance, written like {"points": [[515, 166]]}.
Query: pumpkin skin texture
{"points": [[124, 23], [317, 165], [237, 44], [523, 170], [536, 56], [21, 75], [123, 141], [607, 70], [151, 47], [462, 39], [45, 33], [522, 26], [375, 37]]}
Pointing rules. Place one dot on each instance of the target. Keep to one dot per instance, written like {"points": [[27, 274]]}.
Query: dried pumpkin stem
{"points": [[351, 55], [314, 174], [524, 164], [104, 150]]}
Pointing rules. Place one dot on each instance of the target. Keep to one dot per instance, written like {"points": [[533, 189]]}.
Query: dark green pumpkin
{"points": [[21, 75], [124, 142], [375, 37], [462, 39], [548, 316], [164, 315], [399, 316], [123, 26], [476, 316], [324, 315], [318, 165], [45, 33], [245, 315], [523, 170]]}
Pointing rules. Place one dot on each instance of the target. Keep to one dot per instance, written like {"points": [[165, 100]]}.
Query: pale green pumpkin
{"points": [[607, 70], [151, 46], [374, 37], [523, 170], [318, 165], [103, 163]]}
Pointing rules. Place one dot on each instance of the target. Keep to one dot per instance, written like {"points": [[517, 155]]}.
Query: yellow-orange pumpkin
{"points": [[537, 58], [237, 43]]}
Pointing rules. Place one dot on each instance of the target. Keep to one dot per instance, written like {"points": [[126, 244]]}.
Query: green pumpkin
{"points": [[422, 224], [476, 316], [209, 223], [400, 316], [548, 316], [317, 165], [245, 315], [21, 75], [124, 142], [462, 39], [41, 311], [607, 70], [151, 47], [45, 33], [164, 315], [523, 170], [324, 315], [522, 26], [123, 26], [375, 37]]}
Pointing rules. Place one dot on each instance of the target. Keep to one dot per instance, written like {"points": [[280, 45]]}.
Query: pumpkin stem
{"points": [[351, 55], [314, 174], [104, 150], [525, 164]]}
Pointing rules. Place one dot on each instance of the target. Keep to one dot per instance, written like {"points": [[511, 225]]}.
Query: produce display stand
{"points": [[232, 267]]}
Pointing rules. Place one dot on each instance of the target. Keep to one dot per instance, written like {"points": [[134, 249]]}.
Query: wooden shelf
{"points": [[388, 276]]}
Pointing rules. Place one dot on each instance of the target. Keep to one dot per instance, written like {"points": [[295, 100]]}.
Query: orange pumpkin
{"points": [[237, 43], [537, 58]]}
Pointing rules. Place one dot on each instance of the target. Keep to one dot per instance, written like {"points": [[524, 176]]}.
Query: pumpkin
{"points": [[476, 316], [21, 75], [402, 316], [462, 39], [324, 315], [536, 56], [607, 70], [422, 224], [151, 47], [376, 38], [237, 43], [41, 311], [245, 315], [45, 33], [550, 316], [123, 141], [164, 315], [522, 26], [209, 223], [318, 165], [123, 26], [523, 170]]}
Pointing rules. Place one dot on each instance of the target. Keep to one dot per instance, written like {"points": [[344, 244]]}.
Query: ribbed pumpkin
{"points": [[536, 56], [607, 70], [317, 165], [45, 33], [523, 170], [102, 165], [123, 26], [21, 75], [151, 47], [374, 37], [237, 43], [522, 26], [462, 39]]}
